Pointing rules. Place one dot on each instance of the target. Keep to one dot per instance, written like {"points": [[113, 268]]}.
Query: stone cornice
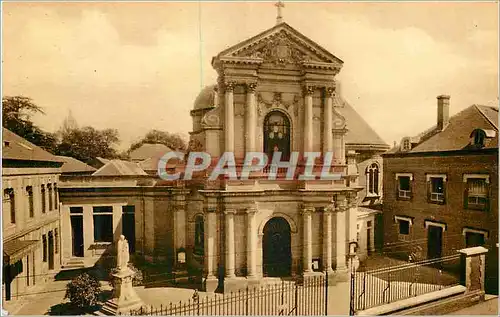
{"points": [[241, 60]]}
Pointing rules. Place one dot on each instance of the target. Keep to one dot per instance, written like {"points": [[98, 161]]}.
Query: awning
{"points": [[14, 250]]}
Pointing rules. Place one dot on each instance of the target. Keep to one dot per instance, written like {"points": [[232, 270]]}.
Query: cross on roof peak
{"points": [[279, 17]]}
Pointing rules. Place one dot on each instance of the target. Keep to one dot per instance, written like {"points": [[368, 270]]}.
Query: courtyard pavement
{"points": [[489, 307]]}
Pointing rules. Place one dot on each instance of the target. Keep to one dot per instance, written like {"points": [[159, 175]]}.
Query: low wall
{"points": [[447, 300]]}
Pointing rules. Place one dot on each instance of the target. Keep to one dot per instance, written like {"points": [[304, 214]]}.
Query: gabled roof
{"points": [[72, 165], [15, 147], [148, 150], [313, 49], [359, 133], [120, 168], [457, 134]]}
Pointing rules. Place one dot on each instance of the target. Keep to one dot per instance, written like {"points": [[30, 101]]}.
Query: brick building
{"points": [[30, 217], [441, 188]]}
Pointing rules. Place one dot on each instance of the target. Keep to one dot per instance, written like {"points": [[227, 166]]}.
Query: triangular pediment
{"points": [[280, 44]]}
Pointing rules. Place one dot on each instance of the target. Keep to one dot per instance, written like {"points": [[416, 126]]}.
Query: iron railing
{"points": [[306, 297], [386, 285]]}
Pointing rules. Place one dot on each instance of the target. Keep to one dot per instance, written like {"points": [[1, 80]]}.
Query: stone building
{"points": [[441, 188], [30, 217], [276, 90]]}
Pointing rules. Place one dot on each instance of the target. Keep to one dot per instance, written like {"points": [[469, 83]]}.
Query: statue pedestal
{"points": [[124, 299]]}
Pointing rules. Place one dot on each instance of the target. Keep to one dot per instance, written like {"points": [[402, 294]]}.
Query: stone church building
{"points": [[275, 91]]}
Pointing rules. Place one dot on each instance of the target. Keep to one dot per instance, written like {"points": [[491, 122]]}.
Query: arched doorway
{"points": [[276, 247]]}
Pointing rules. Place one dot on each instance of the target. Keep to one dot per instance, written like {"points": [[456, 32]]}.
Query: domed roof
{"points": [[205, 98]]}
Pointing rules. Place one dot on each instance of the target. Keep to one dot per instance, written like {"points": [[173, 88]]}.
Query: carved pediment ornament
{"points": [[278, 49], [264, 105]]}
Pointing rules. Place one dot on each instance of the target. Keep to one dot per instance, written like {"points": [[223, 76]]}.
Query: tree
{"points": [[87, 143], [16, 116], [173, 140], [83, 291]]}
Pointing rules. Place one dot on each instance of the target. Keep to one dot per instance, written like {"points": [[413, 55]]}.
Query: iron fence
{"points": [[386, 285], [304, 297]]}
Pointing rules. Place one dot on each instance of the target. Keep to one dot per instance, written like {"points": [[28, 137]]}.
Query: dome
{"points": [[205, 99]]}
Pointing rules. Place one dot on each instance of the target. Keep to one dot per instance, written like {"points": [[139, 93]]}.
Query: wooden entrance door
{"points": [[434, 242], [77, 235]]}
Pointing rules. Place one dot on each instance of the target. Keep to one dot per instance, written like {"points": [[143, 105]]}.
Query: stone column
{"points": [[328, 126], [308, 118], [327, 239], [210, 249], [251, 243], [229, 118], [307, 245], [352, 211], [250, 119], [340, 230], [229, 242]]}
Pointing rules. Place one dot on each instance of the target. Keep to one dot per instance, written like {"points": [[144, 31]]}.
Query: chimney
{"points": [[443, 111]]}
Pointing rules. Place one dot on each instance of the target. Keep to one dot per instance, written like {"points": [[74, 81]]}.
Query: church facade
{"points": [[276, 92]]}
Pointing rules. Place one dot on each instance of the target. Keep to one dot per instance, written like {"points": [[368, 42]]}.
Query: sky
{"points": [[136, 66]]}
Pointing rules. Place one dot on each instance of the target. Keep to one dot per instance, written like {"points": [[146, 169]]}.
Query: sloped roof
{"points": [[359, 131], [15, 147], [148, 150], [456, 135], [119, 168], [72, 165]]}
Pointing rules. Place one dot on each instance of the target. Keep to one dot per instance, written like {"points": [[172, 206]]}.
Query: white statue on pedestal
{"points": [[124, 299], [122, 254]]}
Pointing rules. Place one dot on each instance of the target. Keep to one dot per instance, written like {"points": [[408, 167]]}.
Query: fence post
{"points": [[246, 301], [326, 293], [296, 298]]}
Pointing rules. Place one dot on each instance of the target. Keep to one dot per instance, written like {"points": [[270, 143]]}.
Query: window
{"points": [[474, 239], [477, 193], [199, 236], [56, 200], [103, 224], [49, 188], [406, 144], [404, 185], [404, 224], [44, 242], [404, 227], [372, 174], [56, 241], [75, 210], [277, 135], [42, 191], [10, 203], [436, 189], [31, 207], [478, 137]]}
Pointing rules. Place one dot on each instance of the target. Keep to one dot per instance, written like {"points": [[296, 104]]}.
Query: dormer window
{"points": [[479, 136], [406, 144]]}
